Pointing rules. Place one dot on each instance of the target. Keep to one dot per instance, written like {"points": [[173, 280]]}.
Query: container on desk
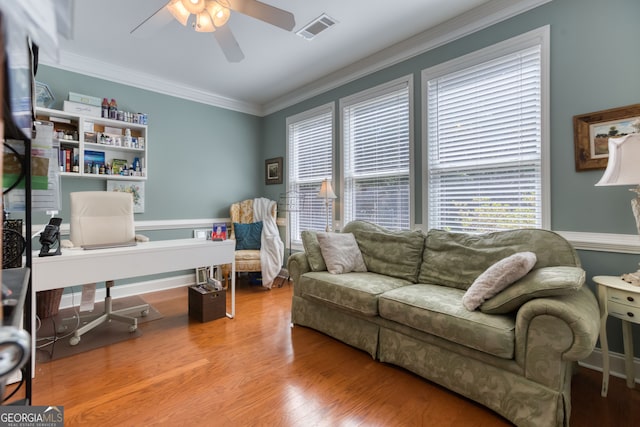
{"points": [[205, 305]]}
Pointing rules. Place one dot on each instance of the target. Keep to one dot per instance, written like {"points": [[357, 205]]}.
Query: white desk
{"points": [[77, 266]]}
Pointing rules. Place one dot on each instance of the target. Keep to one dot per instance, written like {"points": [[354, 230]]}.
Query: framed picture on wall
{"points": [[592, 131], [273, 171]]}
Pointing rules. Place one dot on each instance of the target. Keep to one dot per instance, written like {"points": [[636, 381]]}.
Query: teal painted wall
{"points": [[200, 158], [595, 65]]}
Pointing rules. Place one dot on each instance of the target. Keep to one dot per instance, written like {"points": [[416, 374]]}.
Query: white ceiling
{"points": [[279, 66]]}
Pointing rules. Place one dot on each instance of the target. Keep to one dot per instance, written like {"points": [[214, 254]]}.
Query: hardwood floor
{"points": [[257, 371]]}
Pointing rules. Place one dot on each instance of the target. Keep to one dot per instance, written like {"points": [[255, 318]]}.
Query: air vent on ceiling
{"points": [[315, 27]]}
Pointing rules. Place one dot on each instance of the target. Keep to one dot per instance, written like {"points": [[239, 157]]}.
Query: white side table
{"points": [[619, 299]]}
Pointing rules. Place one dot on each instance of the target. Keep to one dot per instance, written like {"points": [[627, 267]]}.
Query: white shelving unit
{"points": [[80, 127]]}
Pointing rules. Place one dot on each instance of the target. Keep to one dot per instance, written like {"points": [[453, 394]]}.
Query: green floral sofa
{"points": [[514, 355]]}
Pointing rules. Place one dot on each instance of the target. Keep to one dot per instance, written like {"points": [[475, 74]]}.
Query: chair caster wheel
{"points": [[145, 313], [132, 328], [74, 340]]}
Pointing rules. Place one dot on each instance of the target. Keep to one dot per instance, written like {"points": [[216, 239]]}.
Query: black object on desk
{"points": [[50, 237]]}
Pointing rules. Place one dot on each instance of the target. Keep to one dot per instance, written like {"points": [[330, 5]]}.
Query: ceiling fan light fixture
{"points": [[178, 11], [204, 23], [194, 6], [219, 12]]}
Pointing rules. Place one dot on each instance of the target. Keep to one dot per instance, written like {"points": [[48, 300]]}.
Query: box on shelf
{"points": [[207, 306], [85, 109], [85, 99], [91, 137], [112, 130]]}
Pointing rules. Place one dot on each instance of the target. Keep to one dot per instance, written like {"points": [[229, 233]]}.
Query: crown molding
{"points": [[467, 23], [460, 26], [107, 71]]}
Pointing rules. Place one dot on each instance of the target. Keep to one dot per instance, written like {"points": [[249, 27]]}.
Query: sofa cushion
{"points": [[392, 253], [353, 291], [497, 277], [542, 282], [312, 249], [341, 253], [438, 310], [457, 259], [248, 236]]}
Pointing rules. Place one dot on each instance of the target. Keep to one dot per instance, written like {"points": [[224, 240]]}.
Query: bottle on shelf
{"points": [[105, 108], [113, 109]]}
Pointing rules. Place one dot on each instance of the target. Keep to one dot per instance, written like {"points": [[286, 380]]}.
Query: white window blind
{"points": [[376, 144], [484, 143], [310, 162]]}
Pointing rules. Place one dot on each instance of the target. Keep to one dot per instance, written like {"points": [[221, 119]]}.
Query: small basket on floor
{"points": [[48, 302]]}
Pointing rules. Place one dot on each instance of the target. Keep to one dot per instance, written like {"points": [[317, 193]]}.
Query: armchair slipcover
{"points": [[254, 260]]}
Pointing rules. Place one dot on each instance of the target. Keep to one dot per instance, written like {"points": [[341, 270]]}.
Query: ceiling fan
{"points": [[212, 15]]}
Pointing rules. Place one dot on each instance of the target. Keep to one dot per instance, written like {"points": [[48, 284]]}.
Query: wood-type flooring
{"points": [[255, 370]]}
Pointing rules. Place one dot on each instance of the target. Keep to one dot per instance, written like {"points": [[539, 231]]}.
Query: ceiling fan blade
{"points": [[228, 44], [153, 23], [264, 12]]}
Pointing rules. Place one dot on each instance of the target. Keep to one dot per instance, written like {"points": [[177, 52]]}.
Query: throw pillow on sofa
{"points": [[341, 252], [541, 282], [497, 277], [248, 236], [312, 249], [393, 253]]}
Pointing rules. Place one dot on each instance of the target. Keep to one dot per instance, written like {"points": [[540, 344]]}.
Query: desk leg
{"points": [[233, 291], [627, 338], [604, 345]]}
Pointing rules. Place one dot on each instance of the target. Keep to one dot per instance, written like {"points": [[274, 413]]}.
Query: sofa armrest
{"points": [[553, 331], [297, 264]]}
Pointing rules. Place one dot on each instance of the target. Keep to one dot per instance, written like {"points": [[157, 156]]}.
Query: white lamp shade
{"points": [[326, 191], [623, 167]]}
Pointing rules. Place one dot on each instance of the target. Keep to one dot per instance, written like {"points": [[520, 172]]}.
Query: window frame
{"points": [[538, 37], [365, 95], [291, 120]]}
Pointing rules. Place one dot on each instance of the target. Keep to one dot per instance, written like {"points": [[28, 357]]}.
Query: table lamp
{"points": [[623, 168], [326, 192]]}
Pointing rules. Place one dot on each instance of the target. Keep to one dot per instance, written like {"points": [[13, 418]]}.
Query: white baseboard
{"points": [[73, 299], [616, 363]]}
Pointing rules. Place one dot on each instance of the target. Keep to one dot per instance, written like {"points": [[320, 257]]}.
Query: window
{"points": [[376, 155], [485, 139], [310, 156]]}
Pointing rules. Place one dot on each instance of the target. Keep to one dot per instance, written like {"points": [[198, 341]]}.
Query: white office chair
{"points": [[101, 217]]}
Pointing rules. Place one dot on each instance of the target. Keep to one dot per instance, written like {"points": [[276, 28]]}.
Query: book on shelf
{"points": [[68, 157], [219, 231]]}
